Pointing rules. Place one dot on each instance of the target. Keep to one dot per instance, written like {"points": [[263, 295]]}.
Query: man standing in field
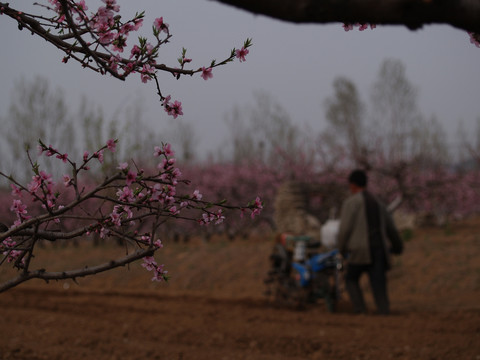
{"points": [[366, 237]]}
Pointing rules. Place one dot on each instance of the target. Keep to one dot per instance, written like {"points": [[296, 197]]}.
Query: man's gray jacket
{"points": [[353, 237]]}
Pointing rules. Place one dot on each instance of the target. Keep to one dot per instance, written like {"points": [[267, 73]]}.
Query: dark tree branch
{"points": [[30, 22], [73, 274], [462, 14]]}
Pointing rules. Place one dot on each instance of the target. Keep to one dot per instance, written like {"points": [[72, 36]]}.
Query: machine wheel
{"points": [[282, 286]]}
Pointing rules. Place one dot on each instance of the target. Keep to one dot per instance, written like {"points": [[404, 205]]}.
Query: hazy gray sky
{"points": [[295, 64]]}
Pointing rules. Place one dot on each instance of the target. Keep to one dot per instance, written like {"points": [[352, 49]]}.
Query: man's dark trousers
{"points": [[378, 281]]}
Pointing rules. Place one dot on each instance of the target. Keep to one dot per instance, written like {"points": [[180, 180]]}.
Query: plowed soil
{"points": [[213, 307]]}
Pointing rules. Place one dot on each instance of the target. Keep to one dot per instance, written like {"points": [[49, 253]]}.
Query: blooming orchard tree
{"points": [[407, 156], [129, 205], [98, 40]]}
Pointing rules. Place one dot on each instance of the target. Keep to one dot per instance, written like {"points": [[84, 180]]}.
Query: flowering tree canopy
{"points": [[128, 205], [99, 41], [131, 203]]}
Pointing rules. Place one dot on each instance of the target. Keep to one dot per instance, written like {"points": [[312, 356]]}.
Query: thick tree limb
{"points": [[73, 274], [462, 14]]}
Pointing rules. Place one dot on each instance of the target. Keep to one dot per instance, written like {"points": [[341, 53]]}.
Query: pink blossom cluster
{"points": [[137, 191], [51, 151], [237, 183], [210, 217], [241, 53], [159, 274], [108, 31], [147, 72], [257, 207], [174, 109], [361, 27], [166, 194], [41, 189], [20, 210], [206, 73], [8, 248], [474, 39]]}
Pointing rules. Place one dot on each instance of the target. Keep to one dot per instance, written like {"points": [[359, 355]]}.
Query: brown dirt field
{"points": [[213, 307]]}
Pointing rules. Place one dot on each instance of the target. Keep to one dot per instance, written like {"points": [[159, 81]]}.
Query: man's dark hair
{"points": [[358, 177]]}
